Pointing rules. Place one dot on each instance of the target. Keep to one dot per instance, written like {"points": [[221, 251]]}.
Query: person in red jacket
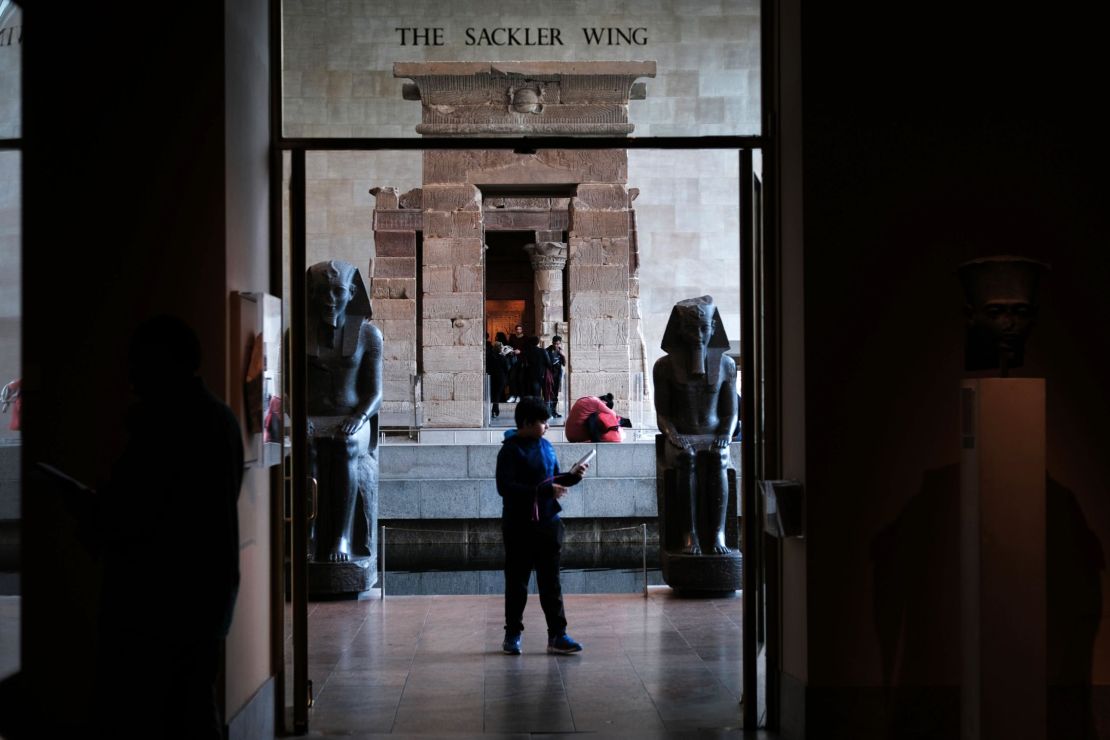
{"points": [[591, 419]]}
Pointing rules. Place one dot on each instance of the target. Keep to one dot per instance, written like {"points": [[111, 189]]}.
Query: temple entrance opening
{"points": [[509, 300]]}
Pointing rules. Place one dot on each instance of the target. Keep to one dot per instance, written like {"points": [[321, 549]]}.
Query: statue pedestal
{"points": [[1002, 550], [708, 573], [702, 575], [337, 579]]}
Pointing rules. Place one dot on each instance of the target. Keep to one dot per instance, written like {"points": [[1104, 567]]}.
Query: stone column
{"points": [[453, 349], [600, 326], [548, 261], [393, 287]]}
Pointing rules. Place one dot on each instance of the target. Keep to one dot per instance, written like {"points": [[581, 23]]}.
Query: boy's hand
{"points": [[558, 491], [580, 470]]}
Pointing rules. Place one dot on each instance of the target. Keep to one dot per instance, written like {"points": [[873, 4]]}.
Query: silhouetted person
{"points": [[517, 383], [497, 367], [536, 364], [167, 528], [554, 379]]}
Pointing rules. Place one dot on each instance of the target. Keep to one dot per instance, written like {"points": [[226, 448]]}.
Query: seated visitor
{"points": [[591, 419]]}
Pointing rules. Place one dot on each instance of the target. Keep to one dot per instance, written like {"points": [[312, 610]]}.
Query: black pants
{"points": [[534, 547]]}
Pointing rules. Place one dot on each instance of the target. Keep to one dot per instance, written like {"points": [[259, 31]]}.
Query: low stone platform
{"points": [[456, 481]]}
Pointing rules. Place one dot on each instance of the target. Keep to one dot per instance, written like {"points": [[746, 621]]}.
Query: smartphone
{"points": [[586, 458]]}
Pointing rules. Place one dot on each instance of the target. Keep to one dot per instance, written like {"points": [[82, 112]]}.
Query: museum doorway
{"points": [[421, 285]]}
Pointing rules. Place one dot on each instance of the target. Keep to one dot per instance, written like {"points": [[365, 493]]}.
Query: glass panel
{"points": [[381, 68], [11, 60], [371, 209], [10, 322]]}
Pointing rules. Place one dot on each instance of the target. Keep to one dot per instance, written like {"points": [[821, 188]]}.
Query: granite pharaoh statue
{"points": [[696, 407], [1000, 295], [344, 394]]}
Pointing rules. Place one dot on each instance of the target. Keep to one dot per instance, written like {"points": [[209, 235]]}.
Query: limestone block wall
{"points": [[598, 269], [394, 295], [453, 305], [338, 58], [688, 233]]}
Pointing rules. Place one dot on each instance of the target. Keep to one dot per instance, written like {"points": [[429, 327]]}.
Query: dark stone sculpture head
{"points": [[335, 290], [695, 328], [1000, 295]]}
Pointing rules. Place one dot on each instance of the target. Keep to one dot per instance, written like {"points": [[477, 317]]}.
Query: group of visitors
{"points": [[520, 366]]}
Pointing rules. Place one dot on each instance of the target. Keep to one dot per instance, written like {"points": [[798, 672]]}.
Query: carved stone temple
{"points": [[494, 237]]}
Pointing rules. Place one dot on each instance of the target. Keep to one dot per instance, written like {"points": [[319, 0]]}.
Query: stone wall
{"points": [[688, 232], [338, 58]]}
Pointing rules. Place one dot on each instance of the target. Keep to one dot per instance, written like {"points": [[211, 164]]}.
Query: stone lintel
{"points": [[509, 220], [504, 167], [512, 98]]}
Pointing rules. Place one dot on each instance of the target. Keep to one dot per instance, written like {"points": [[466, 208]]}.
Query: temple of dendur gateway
{"points": [[453, 257]]}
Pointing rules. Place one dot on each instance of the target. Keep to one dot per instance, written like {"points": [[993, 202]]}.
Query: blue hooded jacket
{"points": [[526, 468]]}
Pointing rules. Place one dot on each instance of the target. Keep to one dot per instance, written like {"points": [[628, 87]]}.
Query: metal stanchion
{"points": [[643, 526], [383, 562]]}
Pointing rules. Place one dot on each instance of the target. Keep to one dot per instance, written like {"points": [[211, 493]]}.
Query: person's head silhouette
{"points": [[164, 353]]}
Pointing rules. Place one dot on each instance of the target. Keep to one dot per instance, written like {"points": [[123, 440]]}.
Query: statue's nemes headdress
{"points": [[675, 344], [337, 272], [672, 335]]}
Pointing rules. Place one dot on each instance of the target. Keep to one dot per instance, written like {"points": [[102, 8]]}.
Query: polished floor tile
{"points": [[432, 666]]}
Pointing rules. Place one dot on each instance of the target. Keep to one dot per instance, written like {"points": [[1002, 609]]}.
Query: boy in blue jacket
{"points": [[530, 485]]}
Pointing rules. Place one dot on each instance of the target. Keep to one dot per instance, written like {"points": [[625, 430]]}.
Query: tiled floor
{"points": [[432, 665]]}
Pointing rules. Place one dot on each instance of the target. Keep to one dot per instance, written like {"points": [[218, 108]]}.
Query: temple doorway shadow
{"points": [[916, 610], [509, 283]]}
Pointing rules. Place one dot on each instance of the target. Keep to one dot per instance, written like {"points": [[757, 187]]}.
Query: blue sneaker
{"points": [[563, 645], [511, 645]]}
